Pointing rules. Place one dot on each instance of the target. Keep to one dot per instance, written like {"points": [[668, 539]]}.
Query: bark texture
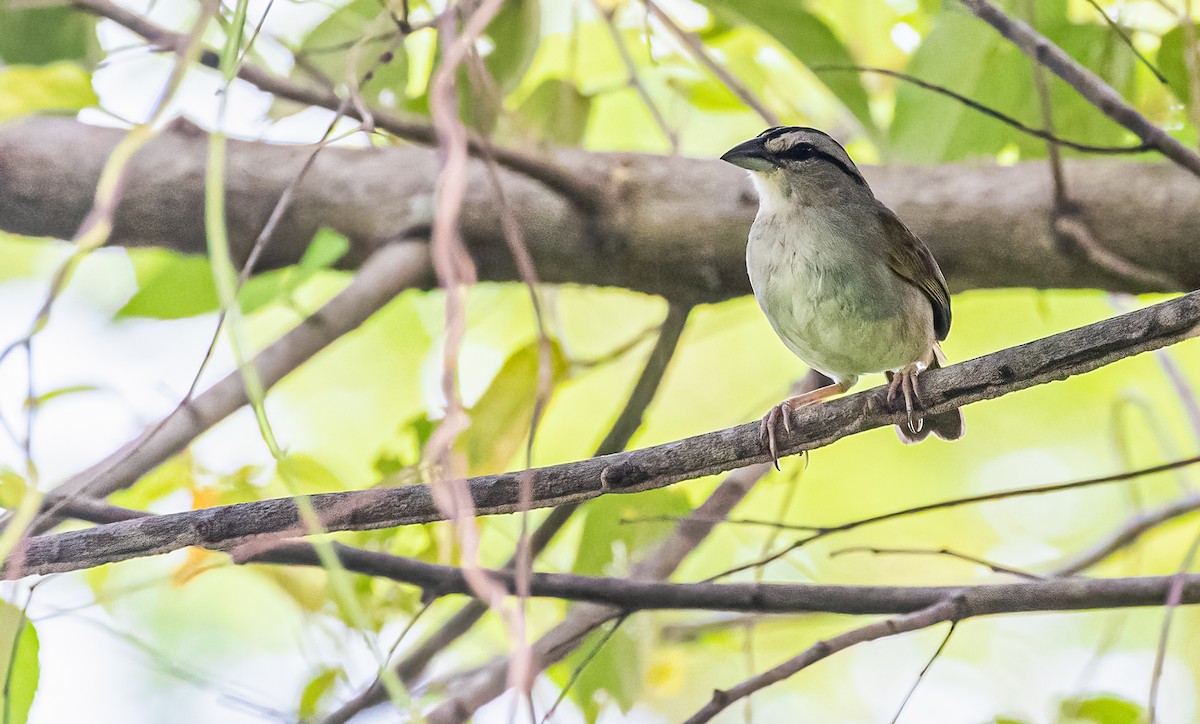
{"points": [[669, 226]]}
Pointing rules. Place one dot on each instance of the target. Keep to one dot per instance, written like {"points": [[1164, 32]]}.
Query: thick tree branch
{"points": [[582, 619], [1053, 358], [648, 592], [628, 422], [578, 189], [678, 230]]}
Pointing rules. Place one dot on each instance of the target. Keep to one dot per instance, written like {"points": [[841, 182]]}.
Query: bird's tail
{"points": [[946, 425]]}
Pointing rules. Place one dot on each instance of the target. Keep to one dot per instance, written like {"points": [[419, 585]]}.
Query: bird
{"points": [[848, 288]]}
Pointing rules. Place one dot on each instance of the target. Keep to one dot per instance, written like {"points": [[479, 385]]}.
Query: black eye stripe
{"points": [[799, 152], [806, 151]]}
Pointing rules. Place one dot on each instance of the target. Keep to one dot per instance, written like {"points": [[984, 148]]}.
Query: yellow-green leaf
{"points": [[19, 662], [27, 89]]}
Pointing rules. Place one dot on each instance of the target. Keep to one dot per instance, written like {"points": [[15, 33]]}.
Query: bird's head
{"points": [[787, 161]]}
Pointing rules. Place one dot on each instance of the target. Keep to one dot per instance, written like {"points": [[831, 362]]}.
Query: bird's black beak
{"points": [[751, 155]]}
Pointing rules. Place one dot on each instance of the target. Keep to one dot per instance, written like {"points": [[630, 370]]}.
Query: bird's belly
{"points": [[844, 317]]}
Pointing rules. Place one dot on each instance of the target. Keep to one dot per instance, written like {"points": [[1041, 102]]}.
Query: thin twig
{"points": [[586, 194], [1092, 87], [1045, 135], [1174, 598], [1126, 535], [821, 532], [925, 670], [949, 609], [628, 421], [992, 566], [633, 79], [1124, 36], [702, 55]]}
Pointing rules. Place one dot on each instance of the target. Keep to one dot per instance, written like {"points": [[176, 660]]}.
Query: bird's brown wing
{"points": [[910, 259]]}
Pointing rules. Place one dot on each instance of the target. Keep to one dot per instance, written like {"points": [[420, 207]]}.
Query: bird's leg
{"points": [[783, 413], [906, 382]]}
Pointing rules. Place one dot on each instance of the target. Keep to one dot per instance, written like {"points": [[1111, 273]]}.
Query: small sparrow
{"points": [[846, 286]]}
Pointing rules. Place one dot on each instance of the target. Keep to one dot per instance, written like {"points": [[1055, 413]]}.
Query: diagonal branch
{"points": [[628, 421], [951, 609], [584, 194], [1046, 360], [1089, 85], [388, 272], [582, 620]]}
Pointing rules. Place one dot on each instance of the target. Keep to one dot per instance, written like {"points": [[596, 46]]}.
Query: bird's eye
{"points": [[798, 152]]}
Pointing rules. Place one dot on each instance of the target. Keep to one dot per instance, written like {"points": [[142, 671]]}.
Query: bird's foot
{"points": [[781, 414], [905, 382]]}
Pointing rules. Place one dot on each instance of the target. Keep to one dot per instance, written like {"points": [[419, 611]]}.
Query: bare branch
{"points": [[646, 591], [950, 609], [1046, 134], [1127, 535], [1053, 358], [628, 421], [571, 185], [1089, 85], [581, 620], [985, 224], [392, 270]]}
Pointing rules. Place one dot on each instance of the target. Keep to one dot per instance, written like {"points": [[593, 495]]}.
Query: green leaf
{"points": [[616, 670], [357, 39], [515, 31], [609, 542], [501, 418], [705, 93], [808, 38], [555, 112], [173, 475], [318, 688], [12, 488], [968, 57], [18, 636], [325, 249], [1171, 62], [305, 475], [173, 286], [37, 36], [61, 87], [1100, 710], [170, 286]]}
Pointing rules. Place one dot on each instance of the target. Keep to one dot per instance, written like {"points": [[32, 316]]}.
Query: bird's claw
{"points": [[906, 382], [770, 422]]}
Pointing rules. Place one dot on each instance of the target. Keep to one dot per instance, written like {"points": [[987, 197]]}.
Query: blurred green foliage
{"points": [[360, 413]]}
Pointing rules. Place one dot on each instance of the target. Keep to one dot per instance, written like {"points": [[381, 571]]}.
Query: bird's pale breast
{"points": [[832, 301]]}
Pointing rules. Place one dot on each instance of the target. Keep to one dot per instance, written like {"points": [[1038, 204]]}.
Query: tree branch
{"points": [[1089, 85], [951, 609], [578, 189], [658, 565], [628, 422], [647, 592], [391, 270], [679, 230], [1053, 358]]}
